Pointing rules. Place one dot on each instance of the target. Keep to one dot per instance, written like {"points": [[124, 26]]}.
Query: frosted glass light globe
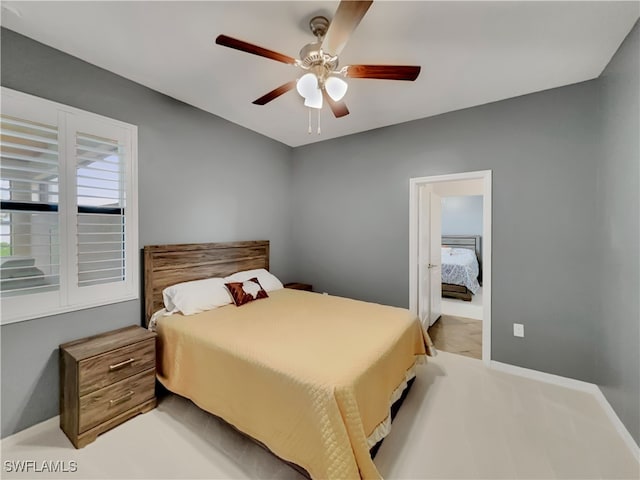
{"points": [[336, 88], [314, 100], [307, 85]]}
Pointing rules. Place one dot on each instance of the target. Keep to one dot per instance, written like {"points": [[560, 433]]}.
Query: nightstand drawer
{"points": [[111, 367], [110, 401]]}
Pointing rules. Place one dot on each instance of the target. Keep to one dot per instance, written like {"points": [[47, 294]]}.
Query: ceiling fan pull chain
{"points": [[309, 131], [318, 121]]}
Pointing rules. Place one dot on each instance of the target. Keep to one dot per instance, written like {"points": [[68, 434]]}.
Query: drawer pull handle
{"points": [[120, 365], [123, 398]]}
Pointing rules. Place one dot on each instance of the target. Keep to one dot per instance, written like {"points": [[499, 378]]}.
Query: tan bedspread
{"points": [[309, 375]]}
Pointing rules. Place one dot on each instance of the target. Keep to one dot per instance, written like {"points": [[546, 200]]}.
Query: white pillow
{"points": [[268, 280], [197, 296]]}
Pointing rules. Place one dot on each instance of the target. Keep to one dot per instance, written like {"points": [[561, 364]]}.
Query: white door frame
{"points": [[414, 185]]}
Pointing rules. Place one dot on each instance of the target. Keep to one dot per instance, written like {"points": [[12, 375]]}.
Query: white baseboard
{"points": [[576, 385], [618, 425], [545, 377]]}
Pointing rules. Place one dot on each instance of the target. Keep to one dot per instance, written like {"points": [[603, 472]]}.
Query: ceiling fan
{"points": [[323, 80]]}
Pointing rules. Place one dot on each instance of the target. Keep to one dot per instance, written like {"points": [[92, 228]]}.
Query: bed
{"points": [[311, 377], [461, 266]]}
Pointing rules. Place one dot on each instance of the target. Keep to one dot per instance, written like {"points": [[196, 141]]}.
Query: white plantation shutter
{"points": [[100, 178], [69, 209], [29, 237], [104, 250]]}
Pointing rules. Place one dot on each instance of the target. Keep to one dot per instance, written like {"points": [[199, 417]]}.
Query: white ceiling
{"points": [[471, 53]]}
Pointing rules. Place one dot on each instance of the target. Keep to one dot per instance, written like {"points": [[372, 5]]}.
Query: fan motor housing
{"points": [[311, 55]]}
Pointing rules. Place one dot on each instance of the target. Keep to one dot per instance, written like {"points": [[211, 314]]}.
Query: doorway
{"points": [[426, 274]]}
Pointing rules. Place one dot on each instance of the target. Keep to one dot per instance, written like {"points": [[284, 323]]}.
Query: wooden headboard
{"points": [[166, 265], [471, 242]]}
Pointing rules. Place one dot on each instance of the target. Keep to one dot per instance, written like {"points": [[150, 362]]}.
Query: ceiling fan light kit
{"points": [[310, 87], [321, 82]]}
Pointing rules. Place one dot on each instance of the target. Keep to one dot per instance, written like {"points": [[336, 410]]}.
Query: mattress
{"points": [[310, 376], [460, 267]]}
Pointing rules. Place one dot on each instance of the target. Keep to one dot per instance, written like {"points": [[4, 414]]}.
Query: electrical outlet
{"points": [[518, 330]]}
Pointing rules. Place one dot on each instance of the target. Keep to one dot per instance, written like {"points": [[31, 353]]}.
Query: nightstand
{"points": [[105, 380], [299, 286]]}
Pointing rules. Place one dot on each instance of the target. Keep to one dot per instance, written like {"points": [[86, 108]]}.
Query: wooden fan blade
{"points": [[345, 21], [254, 49], [275, 93], [339, 109], [384, 72]]}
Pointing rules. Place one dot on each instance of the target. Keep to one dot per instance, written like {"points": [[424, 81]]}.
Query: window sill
{"points": [[67, 309]]}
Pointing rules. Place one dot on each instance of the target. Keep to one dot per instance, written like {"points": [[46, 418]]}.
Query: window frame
{"points": [[70, 297]]}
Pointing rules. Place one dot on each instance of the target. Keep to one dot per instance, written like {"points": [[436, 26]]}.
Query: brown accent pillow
{"points": [[247, 291]]}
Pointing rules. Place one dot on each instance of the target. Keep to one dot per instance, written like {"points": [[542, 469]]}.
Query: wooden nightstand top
{"points": [[106, 342], [299, 286]]}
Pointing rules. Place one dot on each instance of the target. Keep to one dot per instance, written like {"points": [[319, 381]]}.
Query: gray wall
{"points": [[618, 361], [351, 216], [200, 179], [462, 215]]}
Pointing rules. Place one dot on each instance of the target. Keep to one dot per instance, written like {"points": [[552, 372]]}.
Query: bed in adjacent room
{"points": [[461, 266], [312, 377]]}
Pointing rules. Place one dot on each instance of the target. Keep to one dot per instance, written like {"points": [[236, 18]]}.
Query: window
{"points": [[68, 225]]}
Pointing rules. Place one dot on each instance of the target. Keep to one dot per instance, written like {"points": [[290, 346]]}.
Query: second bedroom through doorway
{"points": [[459, 329]]}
